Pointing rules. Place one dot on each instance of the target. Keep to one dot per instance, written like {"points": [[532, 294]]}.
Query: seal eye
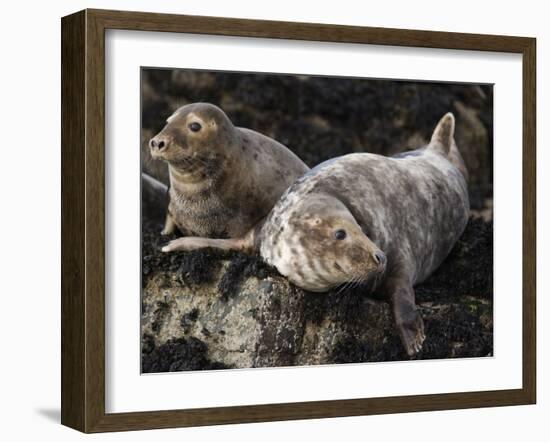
{"points": [[195, 127], [340, 235]]}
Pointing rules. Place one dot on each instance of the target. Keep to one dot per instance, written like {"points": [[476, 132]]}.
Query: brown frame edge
{"points": [[83, 235]]}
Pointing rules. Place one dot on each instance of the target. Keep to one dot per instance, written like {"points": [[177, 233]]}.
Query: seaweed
{"points": [[180, 354]]}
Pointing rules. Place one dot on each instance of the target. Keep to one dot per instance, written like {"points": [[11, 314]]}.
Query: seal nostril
{"points": [[161, 144], [380, 258], [153, 144]]}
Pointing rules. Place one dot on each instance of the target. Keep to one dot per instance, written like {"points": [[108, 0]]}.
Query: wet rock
{"points": [[209, 310], [176, 355]]}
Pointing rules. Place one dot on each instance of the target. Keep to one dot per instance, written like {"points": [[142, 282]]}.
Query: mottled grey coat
{"points": [[363, 217]]}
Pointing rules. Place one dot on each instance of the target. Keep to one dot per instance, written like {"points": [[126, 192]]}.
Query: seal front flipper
{"points": [[246, 244], [169, 225], [407, 317]]}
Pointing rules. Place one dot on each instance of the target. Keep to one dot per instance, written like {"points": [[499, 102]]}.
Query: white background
{"points": [[29, 238], [128, 391]]}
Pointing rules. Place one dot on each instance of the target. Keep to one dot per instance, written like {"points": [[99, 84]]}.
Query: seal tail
{"points": [[443, 142]]}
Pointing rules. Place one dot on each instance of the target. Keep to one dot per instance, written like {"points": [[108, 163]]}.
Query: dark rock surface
{"points": [[211, 310]]}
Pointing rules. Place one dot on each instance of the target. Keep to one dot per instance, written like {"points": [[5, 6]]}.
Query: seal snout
{"points": [[380, 259], [158, 144]]}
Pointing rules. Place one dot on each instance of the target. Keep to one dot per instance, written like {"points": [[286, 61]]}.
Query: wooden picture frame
{"points": [[83, 216]]}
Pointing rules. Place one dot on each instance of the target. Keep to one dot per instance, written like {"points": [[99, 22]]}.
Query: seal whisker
{"points": [[343, 288], [340, 289], [351, 284], [198, 159], [359, 281], [378, 277]]}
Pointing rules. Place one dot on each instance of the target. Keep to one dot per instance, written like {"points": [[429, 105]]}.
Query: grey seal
{"points": [[385, 222], [223, 179]]}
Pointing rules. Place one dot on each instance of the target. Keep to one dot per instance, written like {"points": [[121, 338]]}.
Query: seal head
{"points": [[318, 245], [194, 140]]}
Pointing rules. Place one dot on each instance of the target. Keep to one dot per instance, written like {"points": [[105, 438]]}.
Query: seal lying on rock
{"points": [[365, 218], [223, 179]]}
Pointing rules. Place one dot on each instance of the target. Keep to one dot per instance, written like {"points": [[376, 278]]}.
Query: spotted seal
{"points": [[223, 179], [386, 222]]}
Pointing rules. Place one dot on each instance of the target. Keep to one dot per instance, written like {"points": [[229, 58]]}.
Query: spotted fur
{"points": [[224, 179]]}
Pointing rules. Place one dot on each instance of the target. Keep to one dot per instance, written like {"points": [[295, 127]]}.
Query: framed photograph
{"points": [[268, 221]]}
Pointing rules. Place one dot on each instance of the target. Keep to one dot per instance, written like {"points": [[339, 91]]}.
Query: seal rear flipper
{"points": [[443, 135], [443, 142]]}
